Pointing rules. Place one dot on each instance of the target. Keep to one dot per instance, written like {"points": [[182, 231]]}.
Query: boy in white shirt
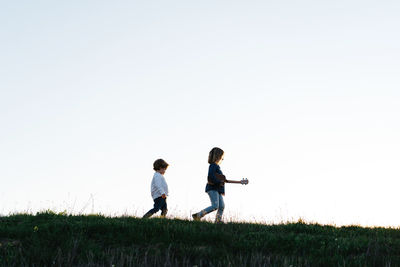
{"points": [[159, 189]]}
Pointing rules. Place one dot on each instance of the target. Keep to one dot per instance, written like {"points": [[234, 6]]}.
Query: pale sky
{"points": [[303, 96]]}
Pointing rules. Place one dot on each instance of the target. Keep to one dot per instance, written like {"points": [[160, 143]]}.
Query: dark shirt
{"points": [[212, 170]]}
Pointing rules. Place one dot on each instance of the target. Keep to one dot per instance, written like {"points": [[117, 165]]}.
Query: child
{"points": [[215, 187], [159, 189]]}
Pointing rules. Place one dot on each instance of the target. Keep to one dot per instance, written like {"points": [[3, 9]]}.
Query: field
{"points": [[49, 239]]}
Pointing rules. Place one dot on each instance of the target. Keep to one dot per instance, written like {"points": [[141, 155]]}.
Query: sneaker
{"points": [[196, 217]]}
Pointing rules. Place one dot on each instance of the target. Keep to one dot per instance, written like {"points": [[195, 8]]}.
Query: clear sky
{"points": [[303, 96]]}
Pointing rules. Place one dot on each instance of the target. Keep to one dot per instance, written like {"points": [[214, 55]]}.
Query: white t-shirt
{"points": [[158, 186]]}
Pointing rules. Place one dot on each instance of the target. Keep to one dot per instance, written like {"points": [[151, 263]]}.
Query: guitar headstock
{"points": [[244, 181]]}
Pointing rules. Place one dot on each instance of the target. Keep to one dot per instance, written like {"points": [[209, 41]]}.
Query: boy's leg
{"points": [[148, 214], [214, 198], [164, 209], [221, 208], [157, 206]]}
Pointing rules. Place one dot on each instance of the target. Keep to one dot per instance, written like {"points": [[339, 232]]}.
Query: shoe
{"points": [[164, 213], [147, 215], [218, 220], [196, 217]]}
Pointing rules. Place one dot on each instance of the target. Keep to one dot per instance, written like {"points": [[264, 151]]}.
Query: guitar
{"points": [[244, 181], [223, 179]]}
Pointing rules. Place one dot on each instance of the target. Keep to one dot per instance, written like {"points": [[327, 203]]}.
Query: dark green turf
{"points": [[49, 239]]}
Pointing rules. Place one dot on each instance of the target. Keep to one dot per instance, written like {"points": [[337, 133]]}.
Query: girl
{"points": [[215, 187]]}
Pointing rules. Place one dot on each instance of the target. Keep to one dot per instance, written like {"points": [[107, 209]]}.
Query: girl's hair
{"points": [[160, 164], [215, 155]]}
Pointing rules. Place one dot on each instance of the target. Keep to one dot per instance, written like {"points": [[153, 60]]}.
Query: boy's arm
{"points": [[159, 187]]}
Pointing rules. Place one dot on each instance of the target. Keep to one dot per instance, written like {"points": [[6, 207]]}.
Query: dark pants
{"points": [[159, 204]]}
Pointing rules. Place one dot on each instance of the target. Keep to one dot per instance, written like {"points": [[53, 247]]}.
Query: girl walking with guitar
{"points": [[215, 187]]}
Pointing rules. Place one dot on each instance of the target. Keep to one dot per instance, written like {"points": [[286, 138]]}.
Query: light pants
{"points": [[217, 203]]}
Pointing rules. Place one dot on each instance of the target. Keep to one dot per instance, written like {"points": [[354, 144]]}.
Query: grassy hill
{"points": [[48, 239]]}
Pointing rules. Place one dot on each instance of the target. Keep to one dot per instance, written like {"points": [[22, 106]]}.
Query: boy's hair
{"points": [[160, 164], [215, 154]]}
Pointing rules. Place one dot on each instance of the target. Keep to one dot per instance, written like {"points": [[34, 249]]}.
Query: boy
{"points": [[159, 189]]}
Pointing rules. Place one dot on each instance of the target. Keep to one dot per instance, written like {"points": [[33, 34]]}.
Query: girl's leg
{"points": [[221, 208], [213, 194]]}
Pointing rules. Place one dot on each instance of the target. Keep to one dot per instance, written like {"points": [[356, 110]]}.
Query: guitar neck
{"points": [[233, 182]]}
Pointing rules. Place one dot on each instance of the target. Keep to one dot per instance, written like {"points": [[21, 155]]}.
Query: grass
{"points": [[49, 239]]}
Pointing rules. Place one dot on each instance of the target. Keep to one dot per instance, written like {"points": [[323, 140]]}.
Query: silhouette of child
{"points": [[215, 187], [159, 189]]}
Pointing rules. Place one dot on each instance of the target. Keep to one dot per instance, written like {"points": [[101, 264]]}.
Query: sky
{"points": [[303, 97]]}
